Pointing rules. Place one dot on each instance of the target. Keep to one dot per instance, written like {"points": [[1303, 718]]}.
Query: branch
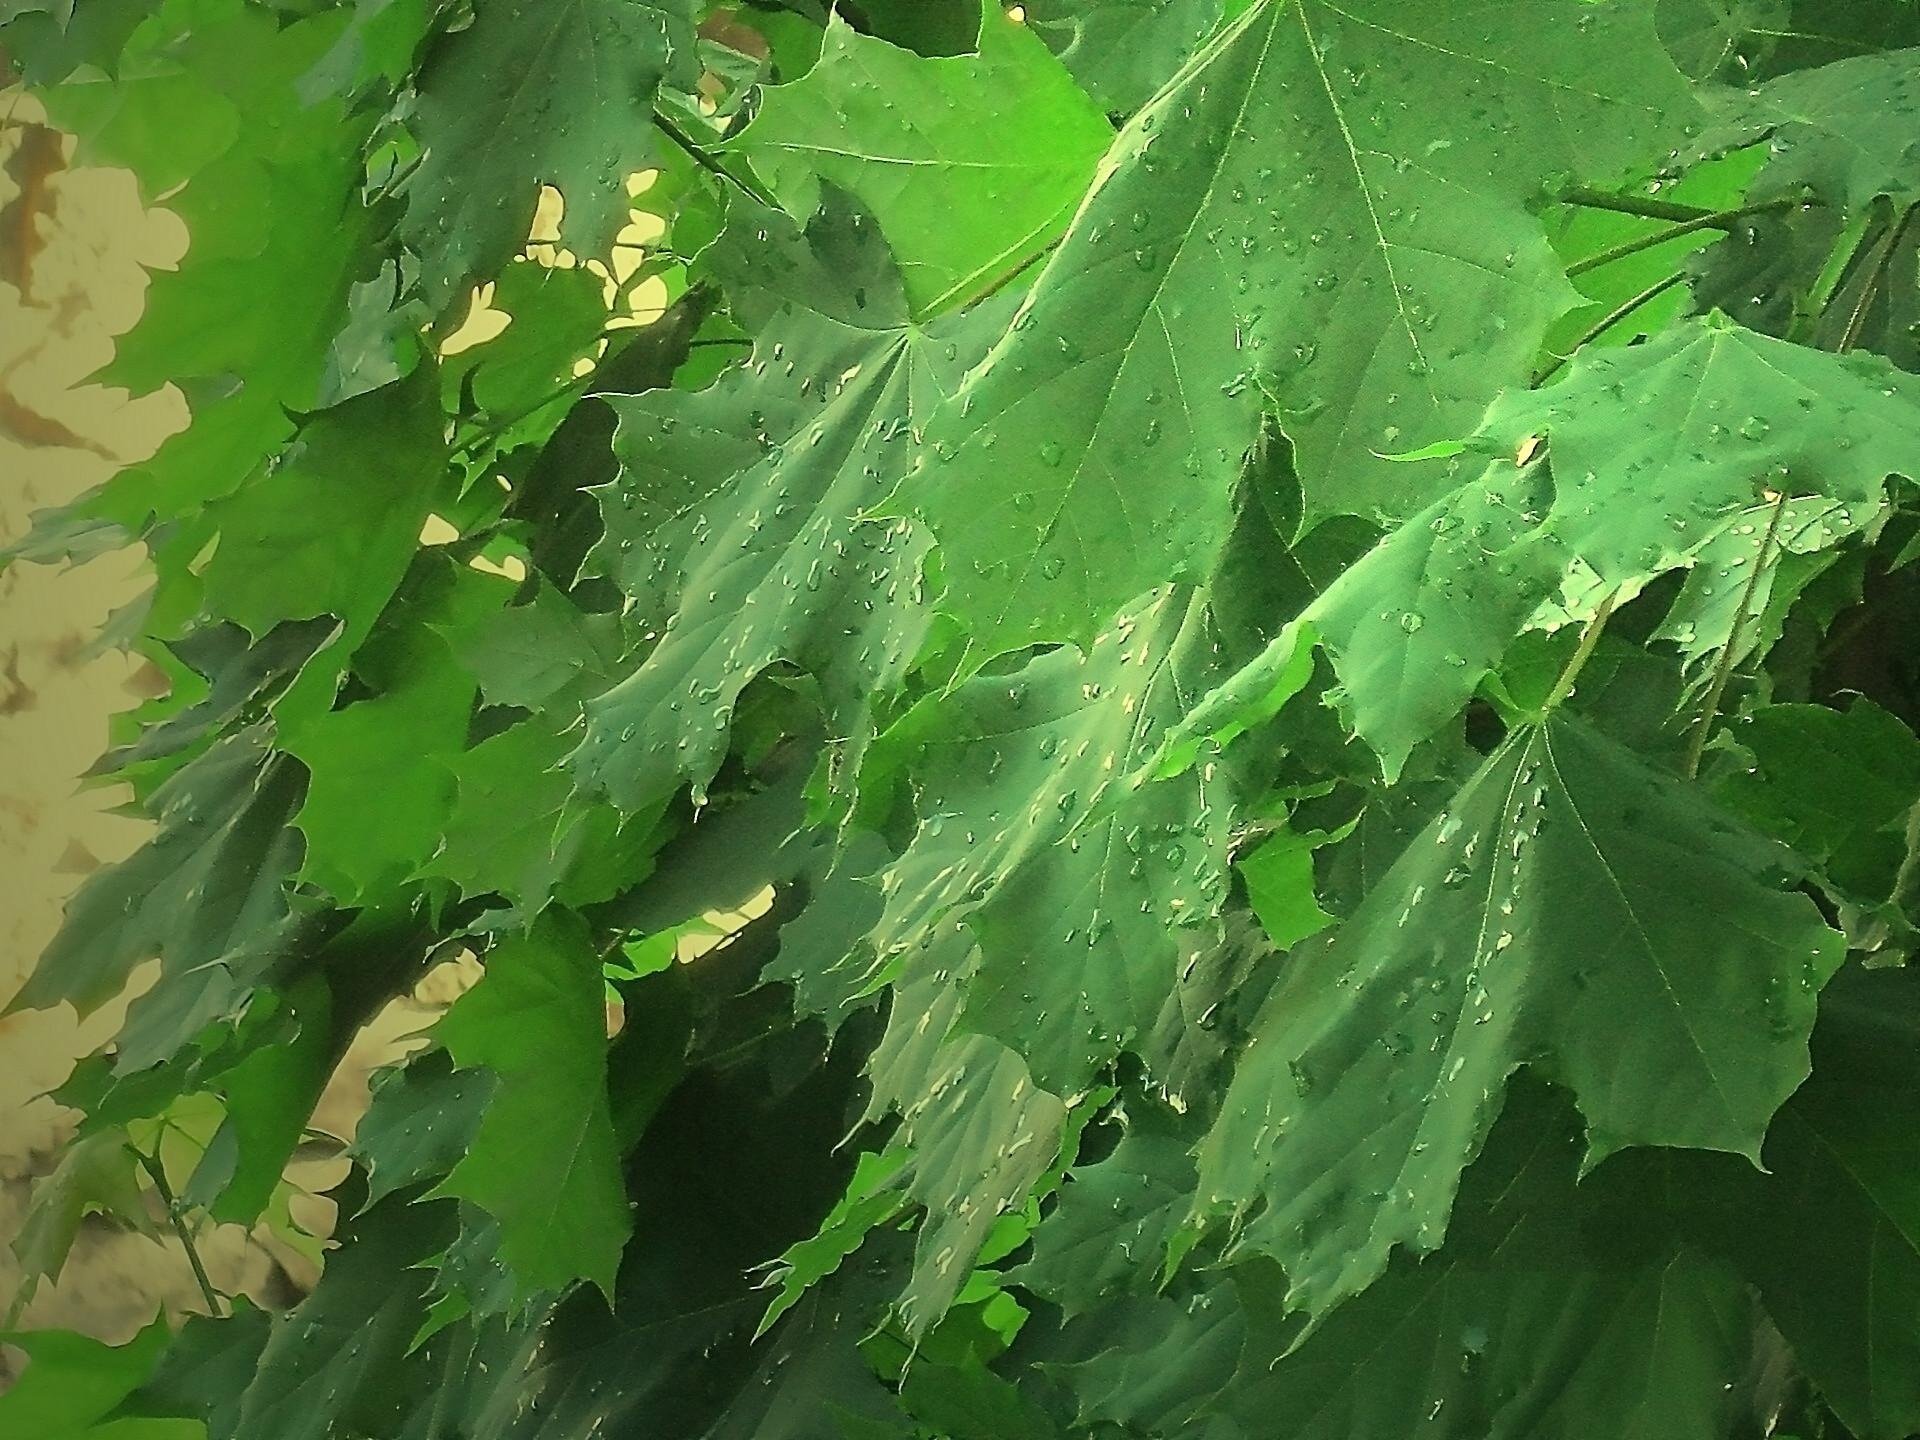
{"points": [[1596, 627], [1717, 220], [1641, 205], [151, 1165], [704, 159], [1723, 672], [1870, 288], [1607, 322]]}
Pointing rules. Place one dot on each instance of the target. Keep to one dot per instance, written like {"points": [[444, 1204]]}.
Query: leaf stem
{"points": [[1641, 205], [704, 159], [1907, 881], [1714, 220], [487, 433], [157, 1175], [1870, 288], [1596, 627], [1723, 671], [1607, 322]]}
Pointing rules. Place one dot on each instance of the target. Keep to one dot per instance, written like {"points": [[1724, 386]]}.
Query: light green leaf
{"points": [[972, 165], [95, 1174], [204, 107], [1280, 886], [1655, 458], [1122, 51], [1372, 282], [544, 1162], [981, 1134], [518, 827], [544, 652], [329, 528], [73, 1381], [1841, 130], [1571, 908], [380, 782], [870, 1200]]}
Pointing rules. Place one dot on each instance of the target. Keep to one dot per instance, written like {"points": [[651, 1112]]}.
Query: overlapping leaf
{"points": [[535, 91], [544, 1162], [1841, 131], [1572, 908], [206, 895], [1122, 51], [971, 165], [738, 528], [1088, 894], [1667, 455], [206, 110], [1377, 283]]}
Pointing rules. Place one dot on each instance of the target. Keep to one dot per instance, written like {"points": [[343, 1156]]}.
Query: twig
{"points": [[706, 162], [1870, 287], [488, 433], [1717, 220], [1723, 672], [1907, 881], [158, 1176], [1641, 205], [1596, 627], [1607, 322]]}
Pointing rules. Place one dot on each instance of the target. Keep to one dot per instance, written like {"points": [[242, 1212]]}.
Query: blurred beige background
{"points": [[76, 247], [76, 244]]}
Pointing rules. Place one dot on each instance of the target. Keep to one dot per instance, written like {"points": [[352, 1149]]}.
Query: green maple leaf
{"points": [[1837, 785], [1830, 1235], [332, 1361], [1720, 39], [519, 828], [1371, 283], [737, 526], [1123, 51], [544, 1162], [269, 1095], [1550, 1316], [207, 894], [421, 1120], [545, 652], [1115, 1218], [1831, 130], [979, 1131], [332, 526], [971, 165], [1571, 908], [534, 92], [1088, 892], [380, 778], [1656, 458], [95, 1174], [206, 104], [72, 1382]]}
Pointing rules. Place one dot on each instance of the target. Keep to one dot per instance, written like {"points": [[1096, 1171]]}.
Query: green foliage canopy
{"points": [[1290, 620]]}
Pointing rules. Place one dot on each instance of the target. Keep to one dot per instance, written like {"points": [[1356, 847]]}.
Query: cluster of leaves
{"points": [[1305, 608]]}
